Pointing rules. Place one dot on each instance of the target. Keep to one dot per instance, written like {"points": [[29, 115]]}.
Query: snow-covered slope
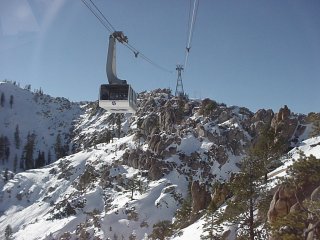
{"points": [[34, 113], [90, 187], [308, 147], [130, 172], [47, 202]]}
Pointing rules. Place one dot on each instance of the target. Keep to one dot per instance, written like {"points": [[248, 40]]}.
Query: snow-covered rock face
{"points": [[126, 173], [24, 113]]}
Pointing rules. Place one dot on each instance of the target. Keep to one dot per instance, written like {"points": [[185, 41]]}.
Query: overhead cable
{"points": [[96, 15], [191, 27], [107, 24]]}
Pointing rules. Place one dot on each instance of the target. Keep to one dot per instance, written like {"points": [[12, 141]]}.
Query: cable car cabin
{"points": [[116, 98]]}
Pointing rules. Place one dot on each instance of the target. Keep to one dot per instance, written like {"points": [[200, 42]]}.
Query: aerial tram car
{"points": [[117, 96]]}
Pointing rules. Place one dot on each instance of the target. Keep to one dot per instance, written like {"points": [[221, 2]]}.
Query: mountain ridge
{"points": [[170, 145]]}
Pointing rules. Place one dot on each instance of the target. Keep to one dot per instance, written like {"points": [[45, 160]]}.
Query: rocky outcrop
{"points": [[286, 201], [159, 144], [167, 117], [314, 226], [149, 124], [219, 154], [261, 119], [200, 197], [284, 124], [220, 194], [281, 203], [146, 160]]}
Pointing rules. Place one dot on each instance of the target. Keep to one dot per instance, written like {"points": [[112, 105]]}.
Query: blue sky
{"points": [[257, 54]]}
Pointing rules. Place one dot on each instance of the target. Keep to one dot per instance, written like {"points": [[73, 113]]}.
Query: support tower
{"points": [[179, 86]]}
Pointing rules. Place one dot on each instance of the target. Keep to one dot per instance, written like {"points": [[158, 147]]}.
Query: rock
{"points": [[224, 116], [149, 124], [284, 124], [260, 120], [154, 140], [314, 231], [220, 194], [155, 171], [167, 117], [283, 113], [200, 197], [219, 154], [263, 115], [282, 201]]}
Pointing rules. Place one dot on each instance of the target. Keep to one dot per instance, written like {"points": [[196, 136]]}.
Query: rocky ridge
{"points": [[169, 144]]}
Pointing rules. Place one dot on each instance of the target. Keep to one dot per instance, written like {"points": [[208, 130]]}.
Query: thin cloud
{"points": [[17, 17]]}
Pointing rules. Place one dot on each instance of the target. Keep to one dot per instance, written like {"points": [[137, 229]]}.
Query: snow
{"points": [[189, 144], [49, 116], [309, 147], [192, 232], [30, 201]]}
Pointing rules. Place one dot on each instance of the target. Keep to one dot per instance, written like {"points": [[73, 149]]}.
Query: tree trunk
{"points": [[251, 219]]}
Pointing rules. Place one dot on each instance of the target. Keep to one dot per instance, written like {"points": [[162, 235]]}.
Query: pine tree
{"points": [[268, 148], [303, 173], [119, 125], [40, 160], [60, 149], [2, 100], [15, 163], [212, 229], [315, 129], [246, 189], [22, 161], [28, 151], [134, 185], [11, 101], [49, 157], [4, 148], [182, 215], [161, 230], [17, 139], [8, 232], [6, 175]]}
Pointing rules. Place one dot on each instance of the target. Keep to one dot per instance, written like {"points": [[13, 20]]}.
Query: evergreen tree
{"points": [[6, 175], [28, 151], [246, 189], [28, 87], [268, 148], [17, 139], [119, 125], [40, 160], [49, 157], [134, 185], [303, 173], [315, 129], [2, 100], [7, 152], [22, 161], [11, 101], [4, 148], [161, 230], [8, 232], [15, 163], [180, 110], [60, 149], [212, 229], [207, 107], [182, 215]]}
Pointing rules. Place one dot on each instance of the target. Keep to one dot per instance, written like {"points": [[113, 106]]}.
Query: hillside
{"points": [[24, 113], [128, 176]]}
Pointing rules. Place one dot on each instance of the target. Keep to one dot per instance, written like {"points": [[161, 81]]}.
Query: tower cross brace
{"points": [[179, 86]]}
